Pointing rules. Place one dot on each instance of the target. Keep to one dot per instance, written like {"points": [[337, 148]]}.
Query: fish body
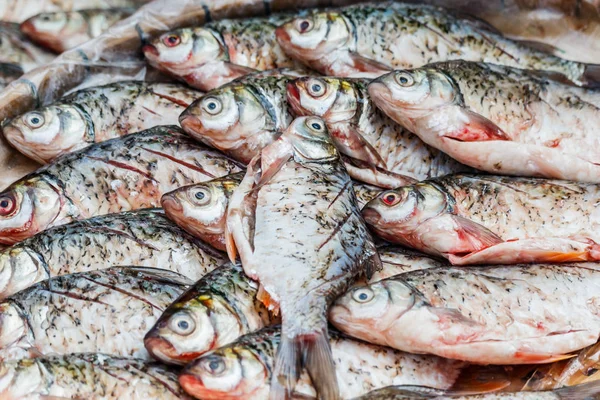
{"points": [[64, 30], [397, 260], [16, 49], [216, 53], [518, 314], [88, 376], [108, 310], [122, 174], [471, 219], [94, 115], [367, 40], [363, 132], [8, 73], [246, 366], [300, 212], [498, 119], [217, 310], [144, 237]]}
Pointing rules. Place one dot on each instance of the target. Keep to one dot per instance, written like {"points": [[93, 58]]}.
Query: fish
{"points": [[295, 208], [397, 260], [218, 52], [90, 376], [8, 73], [106, 311], [142, 237], [243, 369], [471, 219], [369, 40], [94, 115], [122, 174], [497, 119], [15, 48], [217, 310], [517, 314], [588, 391], [64, 30], [363, 132]]}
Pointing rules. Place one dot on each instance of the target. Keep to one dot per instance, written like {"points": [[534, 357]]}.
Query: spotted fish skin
{"points": [[144, 237], [96, 114], [88, 376], [123, 174]]}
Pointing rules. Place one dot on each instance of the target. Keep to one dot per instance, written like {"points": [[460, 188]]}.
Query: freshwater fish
{"points": [[90, 376], [397, 260], [64, 30], [144, 237], [243, 369], [217, 310], [15, 48], [498, 119], [298, 230], [218, 52], [368, 40], [122, 174], [486, 219], [106, 311], [94, 115], [517, 314], [8, 73], [363, 132]]}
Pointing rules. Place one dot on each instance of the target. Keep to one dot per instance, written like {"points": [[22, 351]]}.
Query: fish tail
{"points": [[286, 369], [584, 391]]}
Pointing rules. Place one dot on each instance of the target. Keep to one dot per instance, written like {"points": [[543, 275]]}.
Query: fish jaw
{"points": [[163, 350]]}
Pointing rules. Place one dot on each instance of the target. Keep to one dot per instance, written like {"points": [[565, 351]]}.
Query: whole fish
{"points": [[473, 219], [498, 119], [95, 115], [217, 310], [243, 369], [367, 40], [296, 224], [364, 133], [90, 376], [518, 314], [245, 116], [64, 30], [123, 174], [108, 311], [15, 48], [143, 237], [8, 73], [216, 53]]}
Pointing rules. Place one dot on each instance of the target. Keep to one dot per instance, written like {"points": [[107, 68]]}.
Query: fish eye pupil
{"points": [[390, 198], [316, 126], [200, 195], [4, 203], [183, 325], [214, 365], [304, 25], [212, 106], [172, 39], [363, 296], [35, 120], [403, 80], [316, 87]]}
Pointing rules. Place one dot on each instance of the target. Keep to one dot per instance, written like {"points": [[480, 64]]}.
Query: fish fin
{"points": [[545, 47], [477, 129], [540, 358], [232, 252], [559, 257], [363, 64], [354, 145], [264, 297], [286, 370], [477, 235], [481, 379], [319, 363], [373, 263], [273, 158], [371, 175], [453, 315], [584, 391], [591, 75]]}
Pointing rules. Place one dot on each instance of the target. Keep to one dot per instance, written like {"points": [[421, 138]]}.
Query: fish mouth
{"points": [[293, 97], [150, 49], [191, 124], [193, 385], [162, 349], [282, 36], [171, 204], [379, 92], [371, 216]]}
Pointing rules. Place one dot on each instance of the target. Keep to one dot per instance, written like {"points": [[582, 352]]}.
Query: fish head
{"points": [[396, 214], [19, 269], [367, 311], [20, 379], [13, 325], [227, 373], [47, 133], [406, 95], [332, 99], [26, 208], [45, 24], [311, 140], [314, 36]]}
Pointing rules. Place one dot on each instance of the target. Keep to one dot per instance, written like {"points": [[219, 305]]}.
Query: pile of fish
{"points": [[382, 200]]}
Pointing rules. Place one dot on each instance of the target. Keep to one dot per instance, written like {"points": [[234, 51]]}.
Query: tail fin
{"points": [[286, 369], [580, 392]]}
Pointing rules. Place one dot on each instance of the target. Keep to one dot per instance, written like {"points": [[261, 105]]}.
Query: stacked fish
{"points": [[380, 201]]}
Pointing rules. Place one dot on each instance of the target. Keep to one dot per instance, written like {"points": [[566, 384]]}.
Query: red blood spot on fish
{"points": [[552, 143]]}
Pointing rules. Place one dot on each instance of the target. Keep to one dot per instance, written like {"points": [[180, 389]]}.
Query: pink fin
{"points": [[353, 144], [273, 158], [478, 236], [453, 316], [537, 358], [478, 129], [366, 65]]}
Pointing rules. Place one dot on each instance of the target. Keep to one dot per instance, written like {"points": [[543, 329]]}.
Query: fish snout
{"points": [[379, 92], [150, 51], [171, 203], [28, 27], [160, 348], [293, 97], [371, 216], [191, 123], [282, 35]]}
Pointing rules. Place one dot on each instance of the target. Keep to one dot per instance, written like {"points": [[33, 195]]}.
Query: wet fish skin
{"points": [[367, 40], [530, 314], [122, 174], [64, 30], [216, 53], [16, 49], [498, 119], [92, 376], [94, 115], [217, 310], [108, 310], [144, 237], [472, 219], [201, 209], [397, 260], [246, 365]]}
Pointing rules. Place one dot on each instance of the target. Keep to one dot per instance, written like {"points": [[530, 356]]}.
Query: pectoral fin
{"points": [[478, 236], [477, 128], [352, 143]]}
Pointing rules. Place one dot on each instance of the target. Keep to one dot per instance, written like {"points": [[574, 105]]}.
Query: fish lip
{"points": [[150, 49], [379, 92], [193, 385], [191, 124], [171, 204], [371, 216], [161, 349], [282, 36]]}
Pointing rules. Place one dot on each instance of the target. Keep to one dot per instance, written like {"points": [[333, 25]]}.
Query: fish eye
{"points": [[214, 365], [363, 295], [182, 324], [390, 198], [45, 17], [404, 79], [200, 196], [212, 105], [171, 40], [304, 25], [315, 125], [316, 88], [34, 120], [7, 205]]}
